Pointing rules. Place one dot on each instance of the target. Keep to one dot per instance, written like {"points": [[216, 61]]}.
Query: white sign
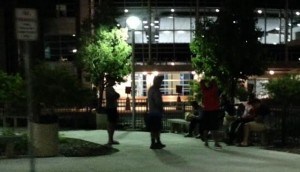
{"points": [[26, 24]]}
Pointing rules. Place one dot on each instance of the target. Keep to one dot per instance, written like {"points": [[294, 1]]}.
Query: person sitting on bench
{"points": [[195, 118]]}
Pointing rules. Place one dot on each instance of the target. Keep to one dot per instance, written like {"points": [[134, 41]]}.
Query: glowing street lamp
{"points": [[133, 22]]}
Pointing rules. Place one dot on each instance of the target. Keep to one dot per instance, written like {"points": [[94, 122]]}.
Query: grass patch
{"points": [[71, 147]]}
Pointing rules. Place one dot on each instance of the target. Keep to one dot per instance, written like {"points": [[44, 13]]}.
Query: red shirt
{"points": [[210, 99]]}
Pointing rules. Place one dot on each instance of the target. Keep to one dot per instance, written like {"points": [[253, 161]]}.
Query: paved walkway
{"points": [[181, 154]]}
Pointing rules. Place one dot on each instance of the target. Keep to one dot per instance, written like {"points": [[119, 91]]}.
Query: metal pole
{"points": [[29, 104], [133, 81]]}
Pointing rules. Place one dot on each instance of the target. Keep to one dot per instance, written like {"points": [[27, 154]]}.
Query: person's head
{"points": [[157, 81], [110, 81]]}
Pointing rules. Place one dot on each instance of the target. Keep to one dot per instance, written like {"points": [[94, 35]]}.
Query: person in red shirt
{"points": [[211, 109]]}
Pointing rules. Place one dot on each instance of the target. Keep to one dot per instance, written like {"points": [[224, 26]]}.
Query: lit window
{"points": [[61, 10]]}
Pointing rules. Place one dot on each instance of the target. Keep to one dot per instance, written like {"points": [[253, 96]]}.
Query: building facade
{"points": [[161, 40]]}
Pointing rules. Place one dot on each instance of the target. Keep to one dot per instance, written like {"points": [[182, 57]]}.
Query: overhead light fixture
{"points": [[125, 10], [271, 72], [259, 11], [297, 13], [145, 21], [172, 10], [277, 28], [217, 10]]}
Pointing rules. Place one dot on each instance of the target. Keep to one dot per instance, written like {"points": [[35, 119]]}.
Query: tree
{"points": [[105, 54], [55, 87], [285, 91], [12, 91], [228, 47]]}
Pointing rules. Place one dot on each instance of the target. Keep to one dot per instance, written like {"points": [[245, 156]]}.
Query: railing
{"points": [[287, 124]]}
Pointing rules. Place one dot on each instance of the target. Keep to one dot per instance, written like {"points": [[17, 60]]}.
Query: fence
{"points": [[287, 124]]}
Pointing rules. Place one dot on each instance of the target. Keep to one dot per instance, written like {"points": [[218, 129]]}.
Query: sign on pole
{"points": [[26, 24]]}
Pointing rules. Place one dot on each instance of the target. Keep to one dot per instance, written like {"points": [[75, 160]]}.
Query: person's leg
{"points": [[191, 128], [200, 130], [215, 124], [245, 134], [112, 117]]}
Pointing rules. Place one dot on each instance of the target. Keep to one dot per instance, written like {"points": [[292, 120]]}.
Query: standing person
{"points": [[211, 108], [111, 108], [155, 112]]}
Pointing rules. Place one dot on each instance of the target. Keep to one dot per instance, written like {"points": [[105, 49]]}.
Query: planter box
{"points": [[45, 139]]}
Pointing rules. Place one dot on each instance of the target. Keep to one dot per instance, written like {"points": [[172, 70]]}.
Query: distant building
{"points": [[162, 38]]}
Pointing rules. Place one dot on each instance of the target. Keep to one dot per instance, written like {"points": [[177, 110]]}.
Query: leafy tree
{"points": [[228, 48], [286, 93], [105, 54], [12, 90], [56, 87]]}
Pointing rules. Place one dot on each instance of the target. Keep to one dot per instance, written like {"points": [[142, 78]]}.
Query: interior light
{"points": [[172, 10], [259, 11], [277, 28], [74, 35], [156, 26], [298, 24], [297, 13], [126, 11], [172, 63], [271, 72], [145, 21], [74, 50], [217, 10]]}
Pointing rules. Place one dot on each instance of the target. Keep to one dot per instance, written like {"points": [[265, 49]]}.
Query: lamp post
{"points": [[133, 22]]}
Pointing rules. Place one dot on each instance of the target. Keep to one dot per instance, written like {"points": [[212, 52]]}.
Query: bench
{"points": [[9, 142], [178, 125]]}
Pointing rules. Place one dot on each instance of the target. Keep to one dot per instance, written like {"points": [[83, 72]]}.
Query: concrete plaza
{"points": [[181, 154]]}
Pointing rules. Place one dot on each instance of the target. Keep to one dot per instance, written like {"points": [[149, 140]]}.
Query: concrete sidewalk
{"points": [[181, 154]]}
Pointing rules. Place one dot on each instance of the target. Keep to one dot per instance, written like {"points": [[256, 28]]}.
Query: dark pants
{"points": [[193, 125]]}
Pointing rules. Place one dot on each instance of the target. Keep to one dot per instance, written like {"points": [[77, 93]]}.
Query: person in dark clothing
{"points": [[195, 120], [111, 109], [155, 112]]}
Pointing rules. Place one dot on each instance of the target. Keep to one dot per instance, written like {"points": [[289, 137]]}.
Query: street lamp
{"points": [[133, 22]]}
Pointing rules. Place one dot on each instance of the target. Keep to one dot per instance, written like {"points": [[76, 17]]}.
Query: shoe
{"points": [[161, 145], [155, 146], [114, 142], [188, 135], [242, 145]]}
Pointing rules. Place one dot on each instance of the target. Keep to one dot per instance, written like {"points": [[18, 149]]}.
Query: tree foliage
{"points": [[285, 90], [57, 87], [12, 89], [105, 54], [228, 47]]}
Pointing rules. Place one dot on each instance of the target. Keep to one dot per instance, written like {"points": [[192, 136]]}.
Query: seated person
{"points": [[195, 118], [236, 127], [258, 125]]}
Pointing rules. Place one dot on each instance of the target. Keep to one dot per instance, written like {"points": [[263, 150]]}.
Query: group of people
{"points": [[208, 115]]}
